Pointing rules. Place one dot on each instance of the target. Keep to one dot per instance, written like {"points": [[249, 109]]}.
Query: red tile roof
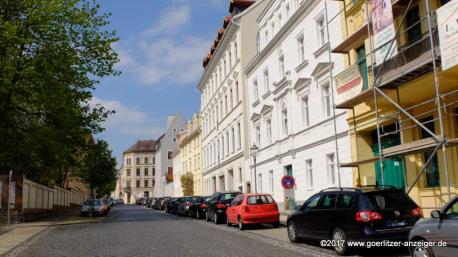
{"points": [[143, 146]]}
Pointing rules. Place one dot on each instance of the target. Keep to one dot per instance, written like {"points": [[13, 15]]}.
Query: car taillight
{"points": [[220, 206], [188, 204], [417, 212], [367, 216], [203, 206]]}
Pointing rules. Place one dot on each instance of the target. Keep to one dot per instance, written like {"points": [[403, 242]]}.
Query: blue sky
{"points": [[161, 46]]}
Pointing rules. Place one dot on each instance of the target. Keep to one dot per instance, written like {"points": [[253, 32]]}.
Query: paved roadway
{"points": [[137, 231]]}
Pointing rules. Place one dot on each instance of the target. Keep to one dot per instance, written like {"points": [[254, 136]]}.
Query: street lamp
{"points": [[254, 149]]}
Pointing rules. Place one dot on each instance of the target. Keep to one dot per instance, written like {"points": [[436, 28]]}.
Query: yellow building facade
{"points": [[190, 142], [410, 133]]}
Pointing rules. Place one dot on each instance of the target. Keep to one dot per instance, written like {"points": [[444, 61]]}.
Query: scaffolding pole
{"points": [[331, 86]]}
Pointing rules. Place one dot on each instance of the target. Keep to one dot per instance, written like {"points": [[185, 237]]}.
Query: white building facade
{"points": [[167, 145], [223, 101], [290, 103]]}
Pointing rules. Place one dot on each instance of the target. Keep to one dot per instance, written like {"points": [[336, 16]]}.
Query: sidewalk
{"points": [[17, 234]]}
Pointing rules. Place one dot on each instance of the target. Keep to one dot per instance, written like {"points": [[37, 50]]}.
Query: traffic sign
{"points": [[288, 182]]}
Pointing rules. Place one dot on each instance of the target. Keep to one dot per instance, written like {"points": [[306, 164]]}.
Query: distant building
{"points": [[139, 171]]}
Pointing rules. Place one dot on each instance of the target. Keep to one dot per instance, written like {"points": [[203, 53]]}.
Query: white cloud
{"points": [[166, 54], [128, 120]]}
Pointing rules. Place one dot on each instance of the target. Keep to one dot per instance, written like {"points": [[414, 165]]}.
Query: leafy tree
{"points": [[187, 183], [52, 53], [99, 169]]}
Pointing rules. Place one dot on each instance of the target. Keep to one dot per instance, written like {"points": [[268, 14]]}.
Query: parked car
{"points": [[139, 201], [162, 203], [168, 204], [253, 209], [354, 214], [175, 204], [183, 207], [216, 210], [199, 207], [443, 225], [119, 201], [96, 205]]}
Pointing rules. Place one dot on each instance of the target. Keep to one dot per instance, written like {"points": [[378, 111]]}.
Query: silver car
{"points": [[441, 227]]}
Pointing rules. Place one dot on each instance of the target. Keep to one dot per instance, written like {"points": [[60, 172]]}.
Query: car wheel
{"points": [[292, 232], [340, 241], [421, 251], [215, 219], [241, 225], [207, 217], [276, 224]]}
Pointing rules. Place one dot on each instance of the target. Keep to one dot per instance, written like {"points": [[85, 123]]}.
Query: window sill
{"points": [[321, 50], [302, 65], [255, 103], [266, 94]]}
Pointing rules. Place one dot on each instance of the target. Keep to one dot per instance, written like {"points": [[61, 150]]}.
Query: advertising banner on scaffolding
{"points": [[348, 84], [384, 32], [447, 19]]}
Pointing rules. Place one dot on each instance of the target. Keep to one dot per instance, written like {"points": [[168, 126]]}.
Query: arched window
{"points": [[284, 117], [281, 64]]}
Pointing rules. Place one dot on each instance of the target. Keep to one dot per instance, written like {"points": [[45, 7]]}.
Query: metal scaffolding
{"points": [[386, 90]]}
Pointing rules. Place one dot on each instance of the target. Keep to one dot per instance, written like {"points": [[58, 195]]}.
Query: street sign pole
{"points": [[9, 196]]}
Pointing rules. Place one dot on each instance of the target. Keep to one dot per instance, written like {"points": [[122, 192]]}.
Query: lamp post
{"points": [[254, 149]]}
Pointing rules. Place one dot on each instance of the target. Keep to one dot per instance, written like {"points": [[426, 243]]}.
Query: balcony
{"points": [[353, 41]]}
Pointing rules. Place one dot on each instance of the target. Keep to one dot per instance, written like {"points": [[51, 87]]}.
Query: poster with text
{"points": [[447, 18], [384, 32]]}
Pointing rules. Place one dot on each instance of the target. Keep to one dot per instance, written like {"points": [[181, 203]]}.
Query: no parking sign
{"points": [[288, 182]]}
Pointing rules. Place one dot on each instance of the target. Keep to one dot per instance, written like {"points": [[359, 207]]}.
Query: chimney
{"points": [[170, 119]]}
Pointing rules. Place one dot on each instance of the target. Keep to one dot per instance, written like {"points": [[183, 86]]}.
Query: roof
{"points": [[142, 146]]}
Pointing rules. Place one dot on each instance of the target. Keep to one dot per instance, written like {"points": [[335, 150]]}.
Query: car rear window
{"points": [[386, 199], [228, 196], [260, 199], [94, 202]]}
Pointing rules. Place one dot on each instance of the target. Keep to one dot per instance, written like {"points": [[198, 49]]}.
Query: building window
{"points": [[281, 65], [154, 160], [146, 172], [284, 115], [305, 111], [266, 80], [138, 183], [266, 35], [271, 181], [154, 171], [169, 155], [231, 99], [138, 172], [127, 183], [225, 104], [230, 59], [240, 176], [227, 143], [309, 173], [272, 27], [237, 96], [258, 43], [269, 131], [280, 20], [222, 146], [128, 161], [128, 172], [239, 135], [137, 161], [255, 90], [154, 182], [331, 168], [259, 189], [288, 11], [258, 135], [321, 31], [233, 139], [146, 160], [301, 49], [236, 50], [146, 183], [326, 100]]}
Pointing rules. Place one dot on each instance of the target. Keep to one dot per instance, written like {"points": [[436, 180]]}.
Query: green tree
{"points": [[187, 184], [52, 54], [99, 169]]}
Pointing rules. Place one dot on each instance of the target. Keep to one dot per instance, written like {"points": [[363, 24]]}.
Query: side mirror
{"points": [[297, 207], [436, 214]]}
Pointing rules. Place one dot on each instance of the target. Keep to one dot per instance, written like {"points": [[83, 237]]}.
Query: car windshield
{"points": [[228, 196], [386, 199], [94, 202], [260, 199]]}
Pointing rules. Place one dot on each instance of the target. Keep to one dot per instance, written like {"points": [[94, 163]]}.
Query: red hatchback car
{"points": [[253, 209]]}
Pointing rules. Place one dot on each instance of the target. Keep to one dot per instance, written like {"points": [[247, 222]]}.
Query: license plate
{"points": [[396, 224]]}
